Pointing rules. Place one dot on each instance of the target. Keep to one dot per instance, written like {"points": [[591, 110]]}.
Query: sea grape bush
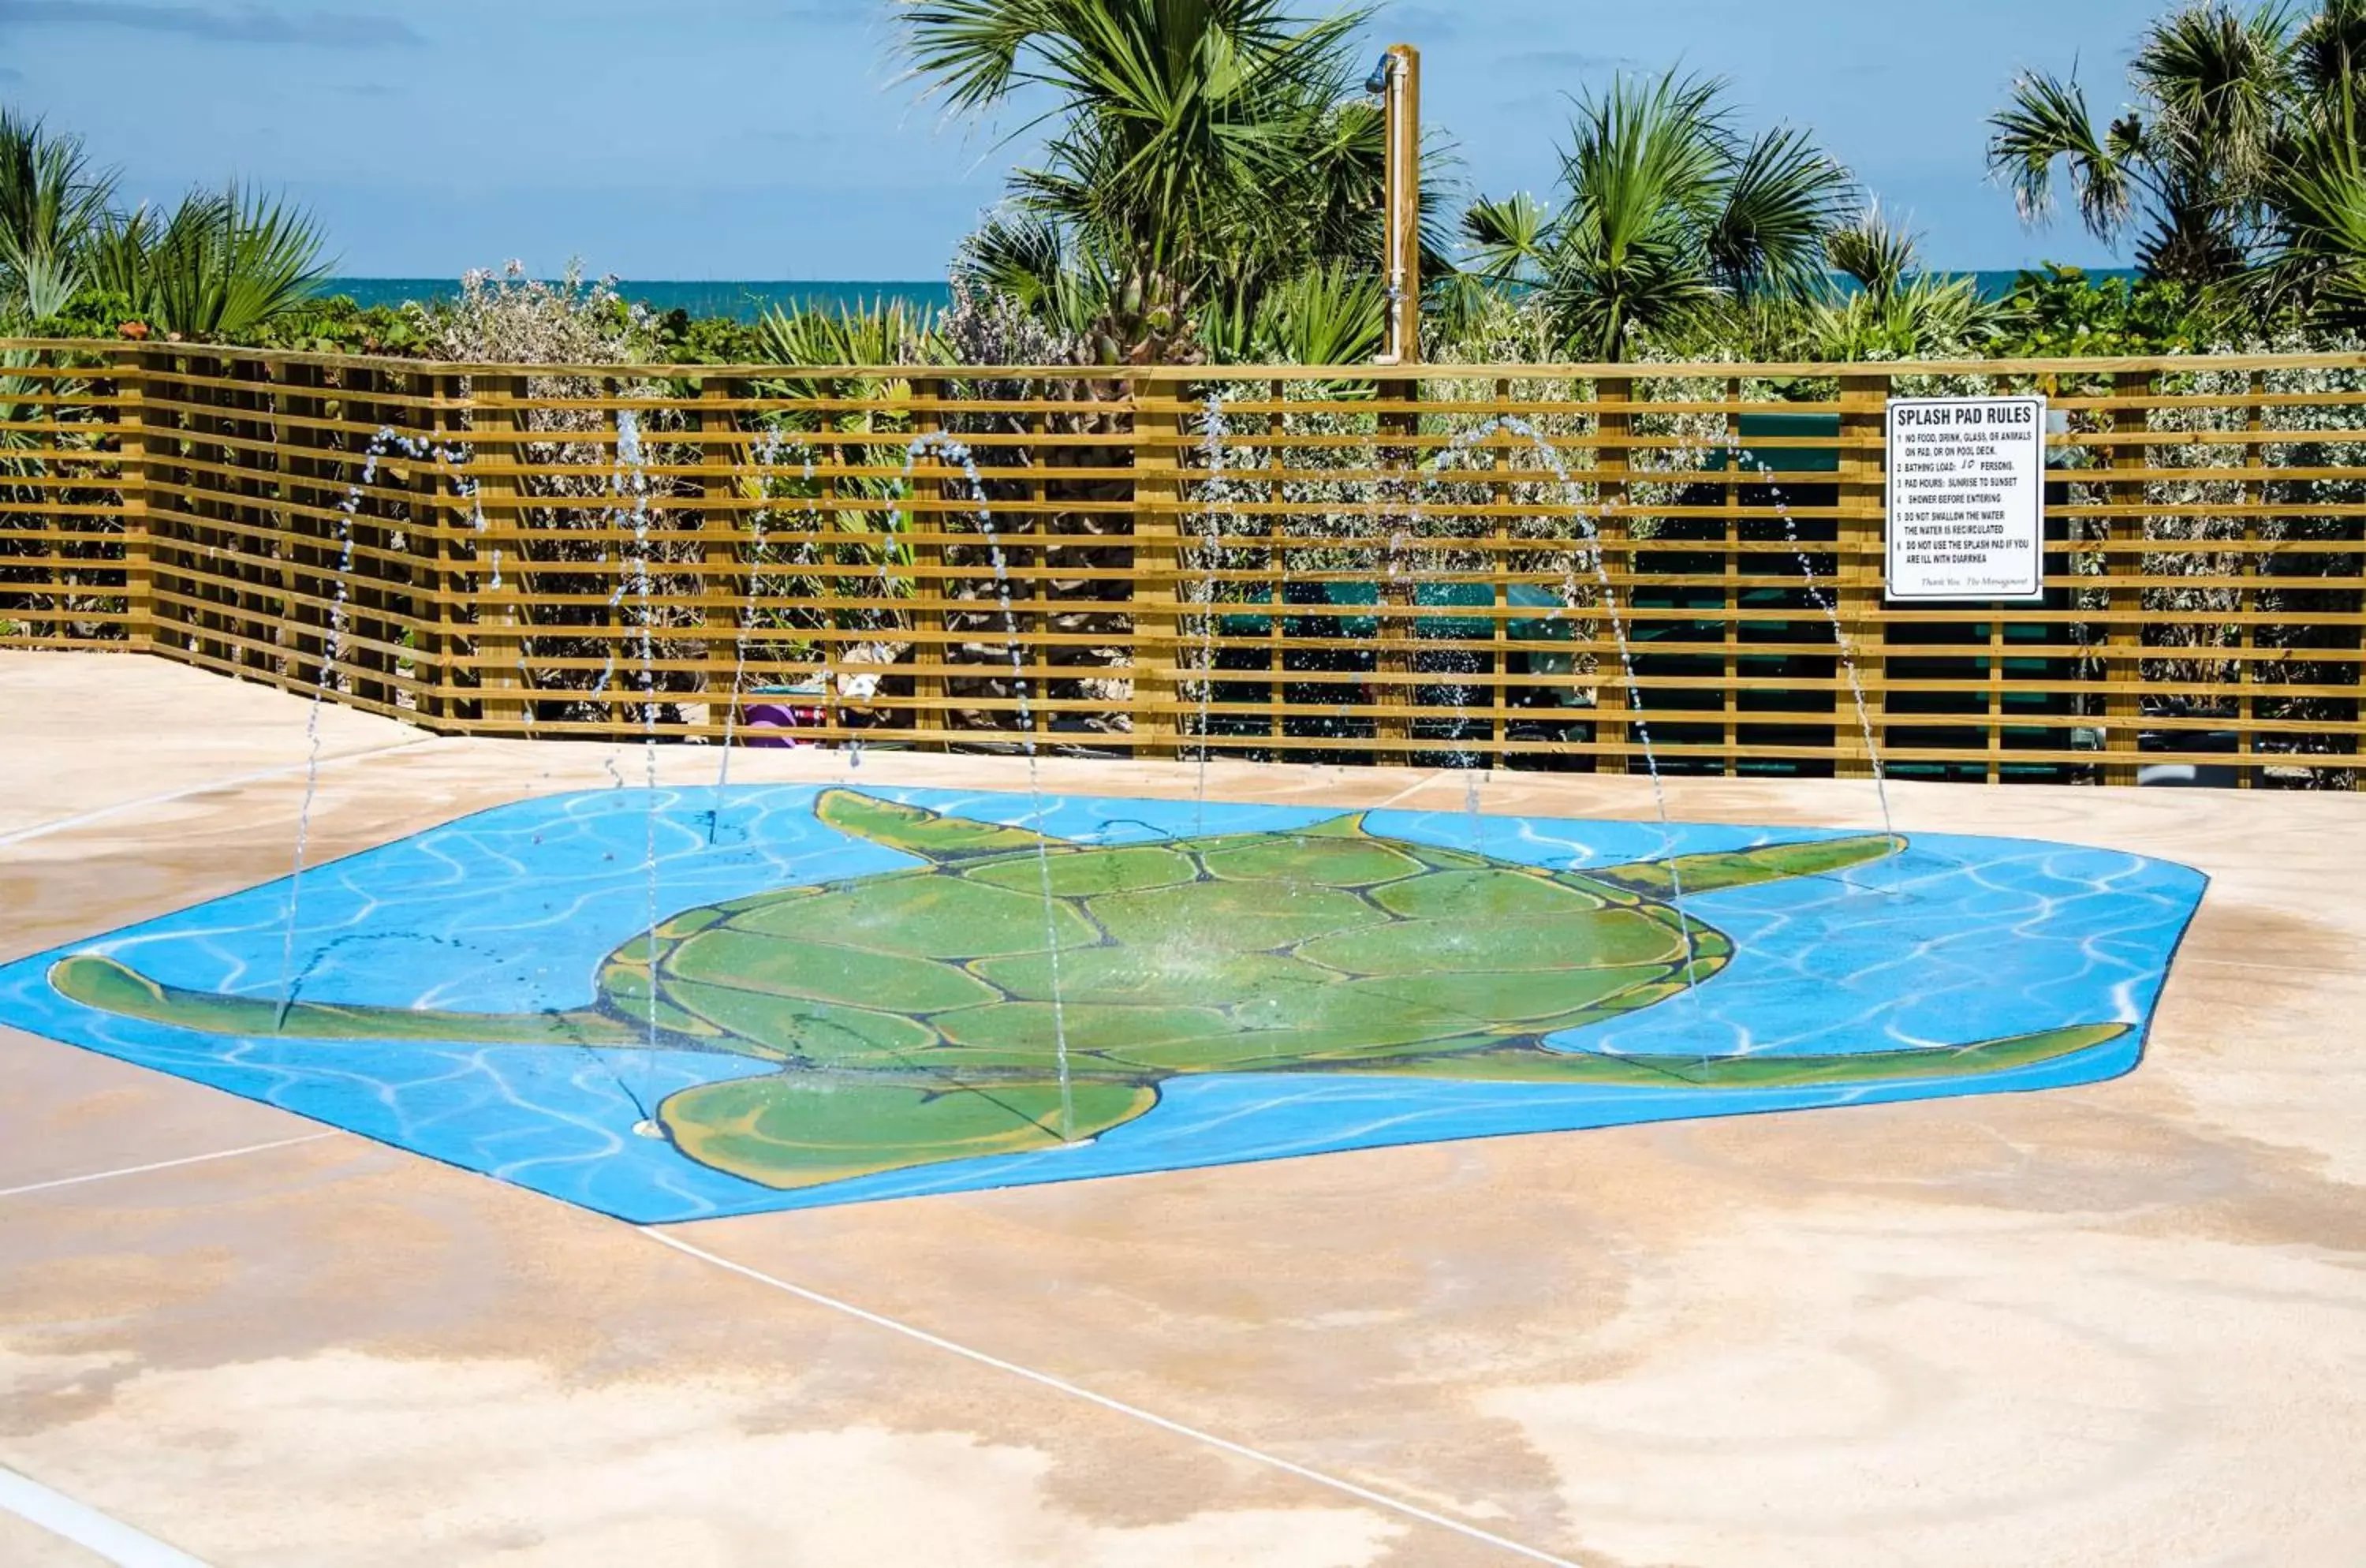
{"points": [[511, 318]]}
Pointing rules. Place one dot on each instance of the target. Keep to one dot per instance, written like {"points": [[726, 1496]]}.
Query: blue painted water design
{"points": [[1958, 939]]}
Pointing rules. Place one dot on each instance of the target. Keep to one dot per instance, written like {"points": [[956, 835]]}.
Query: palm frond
{"points": [[1327, 315], [1506, 240], [2317, 262], [51, 199], [2329, 52], [2047, 121], [971, 50], [1668, 211], [1922, 316], [876, 333], [1876, 252], [2219, 80], [224, 264], [1781, 200]]}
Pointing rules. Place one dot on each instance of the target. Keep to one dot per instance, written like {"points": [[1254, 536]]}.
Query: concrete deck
{"points": [[2117, 1324]]}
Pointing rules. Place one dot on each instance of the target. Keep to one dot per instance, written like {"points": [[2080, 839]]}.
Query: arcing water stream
{"points": [[386, 443], [1823, 602], [955, 451]]}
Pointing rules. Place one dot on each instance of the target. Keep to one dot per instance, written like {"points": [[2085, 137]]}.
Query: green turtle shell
{"points": [[1198, 955]]}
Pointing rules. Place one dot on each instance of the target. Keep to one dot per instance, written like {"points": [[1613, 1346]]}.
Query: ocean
{"points": [[746, 299], [742, 300]]}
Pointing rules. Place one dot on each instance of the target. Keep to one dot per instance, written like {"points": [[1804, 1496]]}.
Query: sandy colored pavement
{"points": [[2123, 1323]]}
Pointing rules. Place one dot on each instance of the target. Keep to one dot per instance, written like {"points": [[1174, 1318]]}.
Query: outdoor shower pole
{"points": [[1398, 80], [1401, 242]]}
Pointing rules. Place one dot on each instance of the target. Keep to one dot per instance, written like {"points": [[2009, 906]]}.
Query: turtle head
{"points": [[916, 830], [1748, 868]]}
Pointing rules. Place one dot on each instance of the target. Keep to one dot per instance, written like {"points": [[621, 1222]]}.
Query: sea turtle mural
{"points": [[912, 1013]]}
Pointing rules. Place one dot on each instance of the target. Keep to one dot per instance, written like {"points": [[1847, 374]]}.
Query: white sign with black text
{"points": [[1966, 498]]}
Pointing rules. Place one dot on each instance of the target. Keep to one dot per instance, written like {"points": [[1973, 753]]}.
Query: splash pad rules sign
{"points": [[1966, 498]]}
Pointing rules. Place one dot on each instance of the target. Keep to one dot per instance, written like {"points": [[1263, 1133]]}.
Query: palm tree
{"points": [[1897, 309], [222, 265], [2312, 258], [1200, 152], [2312, 254], [2187, 167], [50, 198], [2330, 51], [1668, 211]]}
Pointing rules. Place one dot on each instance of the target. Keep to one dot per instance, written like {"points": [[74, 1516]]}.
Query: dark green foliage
{"points": [[92, 313], [331, 324], [1210, 189], [2060, 312], [685, 339]]}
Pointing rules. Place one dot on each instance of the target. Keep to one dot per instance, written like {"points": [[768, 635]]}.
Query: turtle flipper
{"points": [[1529, 1064], [802, 1129], [1747, 868], [110, 986], [916, 830]]}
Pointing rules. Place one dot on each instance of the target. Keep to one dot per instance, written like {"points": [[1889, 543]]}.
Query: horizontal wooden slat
{"points": [[194, 500]]}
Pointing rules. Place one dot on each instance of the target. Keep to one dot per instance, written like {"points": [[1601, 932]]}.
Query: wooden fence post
{"points": [[259, 610], [1499, 570], [365, 595], [305, 482], [1860, 566], [229, 560], [435, 605], [931, 593], [286, 535], [201, 511], [720, 591], [2248, 599], [1732, 469], [1614, 426], [1398, 622], [170, 542], [1157, 564], [2123, 633], [131, 484], [1277, 425], [1038, 590], [494, 454]]}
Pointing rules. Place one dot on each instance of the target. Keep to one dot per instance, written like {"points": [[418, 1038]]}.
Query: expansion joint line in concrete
{"points": [[1131, 1411], [109, 1539], [167, 1164], [170, 796]]}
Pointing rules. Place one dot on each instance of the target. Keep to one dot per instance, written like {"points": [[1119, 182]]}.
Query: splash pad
{"points": [[853, 993]]}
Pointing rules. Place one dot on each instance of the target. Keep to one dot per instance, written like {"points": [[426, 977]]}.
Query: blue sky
{"points": [[772, 138]]}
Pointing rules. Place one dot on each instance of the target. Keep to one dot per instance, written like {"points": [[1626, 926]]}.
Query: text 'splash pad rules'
{"points": [[1966, 498]]}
